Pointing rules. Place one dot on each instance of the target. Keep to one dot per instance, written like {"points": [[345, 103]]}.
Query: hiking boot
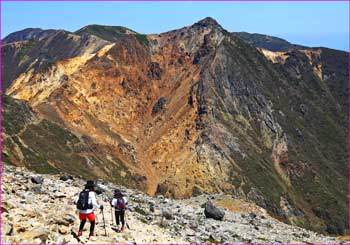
{"points": [[92, 237], [80, 233]]}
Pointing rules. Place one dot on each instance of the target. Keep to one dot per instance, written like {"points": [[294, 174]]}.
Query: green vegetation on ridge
{"points": [[111, 33]]}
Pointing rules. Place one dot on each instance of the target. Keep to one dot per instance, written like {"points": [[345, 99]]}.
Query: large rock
{"points": [[65, 220], [8, 205], [40, 233], [66, 177], [37, 189], [60, 240], [29, 198], [167, 214], [37, 179], [63, 229], [100, 188], [7, 229], [45, 199], [58, 195], [69, 218], [252, 215], [213, 212]]}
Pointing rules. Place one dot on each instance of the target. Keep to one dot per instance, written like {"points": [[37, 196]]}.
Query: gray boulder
{"points": [[167, 214], [66, 177], [151, 208], [100, 188], [252, 215], [60, 240], [37, 179], [36, 189], [213, 212], [29, 198]]}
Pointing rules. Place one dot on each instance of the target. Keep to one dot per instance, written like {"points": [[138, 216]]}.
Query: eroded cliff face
{"points": [[42, 52], [196, 110], [141, 100]]}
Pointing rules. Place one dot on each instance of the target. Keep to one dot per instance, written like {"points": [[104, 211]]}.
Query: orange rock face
{"points": [[113, 96]]}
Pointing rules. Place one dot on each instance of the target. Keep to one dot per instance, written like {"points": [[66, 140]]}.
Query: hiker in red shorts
{"points": [[85, 204]]}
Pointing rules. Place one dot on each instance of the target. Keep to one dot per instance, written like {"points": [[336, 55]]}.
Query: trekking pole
{"points": [[112, 215], [104, 223], [126, 221], [96, 219]]}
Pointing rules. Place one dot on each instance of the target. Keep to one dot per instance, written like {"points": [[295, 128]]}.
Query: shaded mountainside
{"points": [[199, 110], [267, 42], [27, 34], [48, 147]]}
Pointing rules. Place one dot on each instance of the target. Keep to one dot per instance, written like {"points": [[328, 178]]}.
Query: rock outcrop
{"points": [[213, 212]]}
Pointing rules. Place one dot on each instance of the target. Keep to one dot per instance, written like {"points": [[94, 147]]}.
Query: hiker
{"points": [[119, 203], [86, 202]]}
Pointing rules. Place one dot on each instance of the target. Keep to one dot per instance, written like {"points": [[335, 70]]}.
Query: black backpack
{"points": [[83, 201]]}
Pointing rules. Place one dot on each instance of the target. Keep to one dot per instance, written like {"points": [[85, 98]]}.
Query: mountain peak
{"points": [[208, 21], [26, 34], [109, 33]]}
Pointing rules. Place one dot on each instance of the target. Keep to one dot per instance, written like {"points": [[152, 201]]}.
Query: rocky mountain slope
{"points": [[186, 112], [31, 203], [38, 54], [27, 34], [268, 42], [25, 143]]}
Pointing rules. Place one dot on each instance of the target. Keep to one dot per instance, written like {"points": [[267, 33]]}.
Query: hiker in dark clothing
{"points": [[119, 203], [86, 201]]}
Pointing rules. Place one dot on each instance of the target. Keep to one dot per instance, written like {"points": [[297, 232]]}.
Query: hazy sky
{"points": [[308, 23]]}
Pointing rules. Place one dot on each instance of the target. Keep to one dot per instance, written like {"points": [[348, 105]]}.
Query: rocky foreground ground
{"points": [[39, 209]]}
